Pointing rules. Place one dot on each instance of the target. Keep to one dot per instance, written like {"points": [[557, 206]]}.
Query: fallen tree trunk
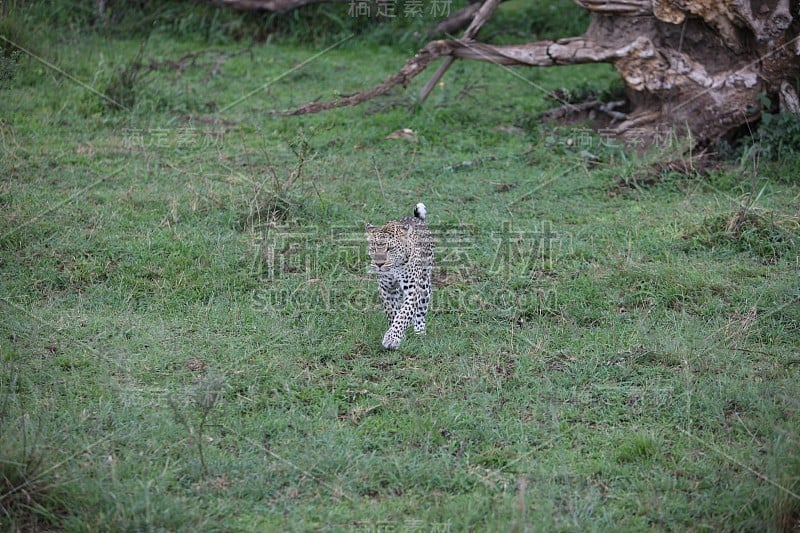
{"points": [[692, 66]]}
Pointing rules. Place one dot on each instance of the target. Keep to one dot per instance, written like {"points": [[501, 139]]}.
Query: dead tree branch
{"points": [[484, 13], [456, 20], [691, 66]]}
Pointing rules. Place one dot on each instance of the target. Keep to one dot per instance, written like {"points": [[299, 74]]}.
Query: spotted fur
{"points": [[401, 256]]}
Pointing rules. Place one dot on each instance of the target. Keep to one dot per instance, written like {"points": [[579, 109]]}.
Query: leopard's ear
{"points": [[369, 229]]}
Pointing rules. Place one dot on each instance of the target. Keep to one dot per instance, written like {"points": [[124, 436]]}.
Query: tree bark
{"points": [[484, 13], [456, 20], [695, 67]]}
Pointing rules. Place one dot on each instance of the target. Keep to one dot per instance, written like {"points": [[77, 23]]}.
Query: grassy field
{"points": [[189, 339]]}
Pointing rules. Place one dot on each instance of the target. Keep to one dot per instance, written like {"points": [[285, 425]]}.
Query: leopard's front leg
{"points": [[390, 298], [424, 300], [397, 329]]}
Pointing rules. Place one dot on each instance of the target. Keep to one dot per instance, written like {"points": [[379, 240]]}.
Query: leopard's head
{"points": [[388, 246]]}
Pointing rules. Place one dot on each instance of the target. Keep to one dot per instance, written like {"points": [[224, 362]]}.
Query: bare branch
{"points": [[483, 14], [691, 66], [567, 110], [619, 7], [413, 66], [455, 21]]}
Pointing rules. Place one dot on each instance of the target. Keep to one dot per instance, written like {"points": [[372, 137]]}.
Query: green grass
{"points": [[189, 341]]}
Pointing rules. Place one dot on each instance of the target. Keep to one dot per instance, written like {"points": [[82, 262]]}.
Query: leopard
{"points": [[401, 258]]}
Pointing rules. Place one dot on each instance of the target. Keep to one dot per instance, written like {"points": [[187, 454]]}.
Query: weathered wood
{"points": [[699, 65], [695, 66], [457, 20], [483, 14], [403, 77]]}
